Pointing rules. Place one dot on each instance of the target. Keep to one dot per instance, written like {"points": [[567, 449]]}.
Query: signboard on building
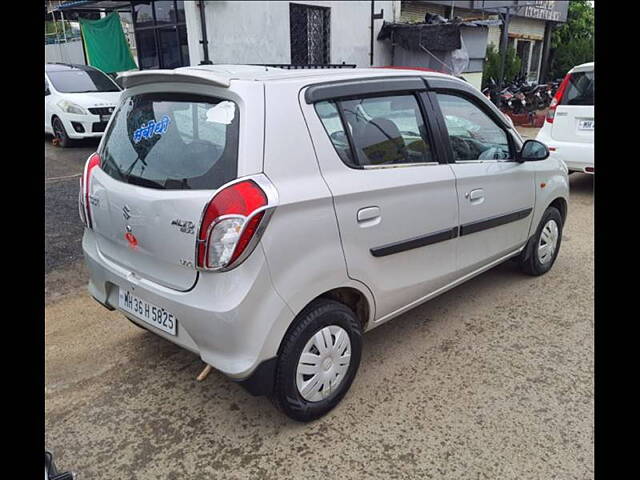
{"points": [[547, 10]]}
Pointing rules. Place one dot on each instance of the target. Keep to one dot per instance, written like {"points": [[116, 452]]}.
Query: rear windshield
{"points": [[173, 142], [81, 81], [579, 89]]}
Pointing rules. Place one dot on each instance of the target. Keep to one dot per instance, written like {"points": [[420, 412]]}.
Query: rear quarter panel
{"points": [[302, 242]]}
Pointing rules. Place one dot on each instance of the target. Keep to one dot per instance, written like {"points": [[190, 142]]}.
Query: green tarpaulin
{"points": [[106, 45]]}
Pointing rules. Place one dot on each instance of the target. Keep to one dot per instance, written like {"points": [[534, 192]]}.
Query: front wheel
{"points": [[319, 359], [60, 133], [542, 250]]}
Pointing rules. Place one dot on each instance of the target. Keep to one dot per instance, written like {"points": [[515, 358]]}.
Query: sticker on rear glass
{"points": [[222, 113], [151, 128]]}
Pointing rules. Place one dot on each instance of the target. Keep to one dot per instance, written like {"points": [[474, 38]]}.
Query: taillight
{"points": [[229, 224], [551, 113], [85, 204]]}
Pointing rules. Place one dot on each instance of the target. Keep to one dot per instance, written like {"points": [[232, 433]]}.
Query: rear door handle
{"points": [[476, 196], [369, 215]]}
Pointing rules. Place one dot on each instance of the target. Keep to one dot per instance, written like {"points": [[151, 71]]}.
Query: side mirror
{"points": [[46, 91], [533, 150]]}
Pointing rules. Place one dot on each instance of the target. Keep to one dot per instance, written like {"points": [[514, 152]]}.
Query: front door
{"points": [[496, 194], [395, 203]]}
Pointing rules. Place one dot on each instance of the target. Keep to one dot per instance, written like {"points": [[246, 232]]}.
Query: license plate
{"points": [[105, 118], [148, 312], [586, 124]]}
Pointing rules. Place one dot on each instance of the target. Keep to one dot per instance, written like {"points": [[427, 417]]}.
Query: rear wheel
{"points": [[319, 360], [542, 249], [60, 133]]}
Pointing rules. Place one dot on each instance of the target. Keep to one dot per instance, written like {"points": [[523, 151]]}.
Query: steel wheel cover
{"points": [[323, 363], [548, 242]]}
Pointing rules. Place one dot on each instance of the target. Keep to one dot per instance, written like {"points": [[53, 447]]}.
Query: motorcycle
{"points": [[51, 472]]}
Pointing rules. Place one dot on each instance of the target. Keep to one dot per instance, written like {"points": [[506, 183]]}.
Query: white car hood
{"points": [[94, 99]]}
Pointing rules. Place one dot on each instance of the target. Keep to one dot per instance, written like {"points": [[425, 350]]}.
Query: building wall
{"points": [[258, 32], [70, 52], [529, 28]]}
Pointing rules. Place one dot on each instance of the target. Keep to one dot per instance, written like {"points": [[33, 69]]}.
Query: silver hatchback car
{"points": [[264, 218]]}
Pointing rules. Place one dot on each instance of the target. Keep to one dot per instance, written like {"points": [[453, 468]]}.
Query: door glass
{"points": [[473, 134], [328, 113], [165, 11], [142, 14], [184, 46], [387, 130], [147, 54], [168, 40], [180, 11]]}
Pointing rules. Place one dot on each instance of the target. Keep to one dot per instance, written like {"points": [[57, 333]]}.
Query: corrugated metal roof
{"points": [[93, 5]]}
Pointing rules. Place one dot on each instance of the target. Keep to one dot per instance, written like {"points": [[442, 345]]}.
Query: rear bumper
{"points": [[579, 157], [228, 319]]}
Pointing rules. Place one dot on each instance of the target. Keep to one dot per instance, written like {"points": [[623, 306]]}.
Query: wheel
{"points": [[319, 358], [60, 133], [542, 249]]}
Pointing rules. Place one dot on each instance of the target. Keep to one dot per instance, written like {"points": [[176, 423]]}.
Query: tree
{"points": [[491, 67], [572, 43]]}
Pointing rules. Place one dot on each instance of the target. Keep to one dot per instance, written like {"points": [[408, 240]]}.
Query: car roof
{"points": [[224, 75], [262, 73], [63, 67], [585, 67]]}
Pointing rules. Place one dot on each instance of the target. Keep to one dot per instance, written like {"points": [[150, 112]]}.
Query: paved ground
{"points": [[493, 379], [64, 270]]}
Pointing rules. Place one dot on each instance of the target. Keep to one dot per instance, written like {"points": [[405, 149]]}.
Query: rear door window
{"points": [[384, 130], [173, 141], [579, 89]]}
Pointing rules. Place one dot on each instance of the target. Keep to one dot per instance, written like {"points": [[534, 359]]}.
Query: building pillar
{"points": [[544, 64]]}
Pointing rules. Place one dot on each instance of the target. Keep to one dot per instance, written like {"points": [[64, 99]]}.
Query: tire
{"points": [[294, 392], [60, 133], [534, 261]]}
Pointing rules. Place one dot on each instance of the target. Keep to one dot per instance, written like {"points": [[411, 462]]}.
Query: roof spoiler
{"points": [[135, 78]]}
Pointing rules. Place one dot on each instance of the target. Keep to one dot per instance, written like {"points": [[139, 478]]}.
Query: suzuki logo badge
{"points": [[126, 212]]}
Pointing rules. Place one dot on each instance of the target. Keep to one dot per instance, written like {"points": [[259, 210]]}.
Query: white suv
{"points": [[570, 123], [264, 218], [78, 101]]}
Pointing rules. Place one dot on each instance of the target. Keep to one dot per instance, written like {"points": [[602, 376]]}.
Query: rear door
{"points": [[495, 193], [395, 202], [574, 117], [162, 158]]}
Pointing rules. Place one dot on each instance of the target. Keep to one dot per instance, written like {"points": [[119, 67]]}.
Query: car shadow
{"points": [[218, 403], [581, 183]]}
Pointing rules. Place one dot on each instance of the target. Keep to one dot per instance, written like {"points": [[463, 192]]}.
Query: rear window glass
{"points": [[173, 142], [579, 89]]}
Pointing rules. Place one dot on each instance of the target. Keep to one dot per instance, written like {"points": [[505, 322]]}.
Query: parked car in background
{"points": [[265, 218], [78, 101], [568, 130]]}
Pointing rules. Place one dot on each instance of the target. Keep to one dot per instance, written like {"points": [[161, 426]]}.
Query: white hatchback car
{"points": [[78, 101], [570, 123], [265, 218]]}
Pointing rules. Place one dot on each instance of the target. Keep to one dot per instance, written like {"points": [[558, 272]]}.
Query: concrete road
{"points": [[491, 380], [64, 270]]}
